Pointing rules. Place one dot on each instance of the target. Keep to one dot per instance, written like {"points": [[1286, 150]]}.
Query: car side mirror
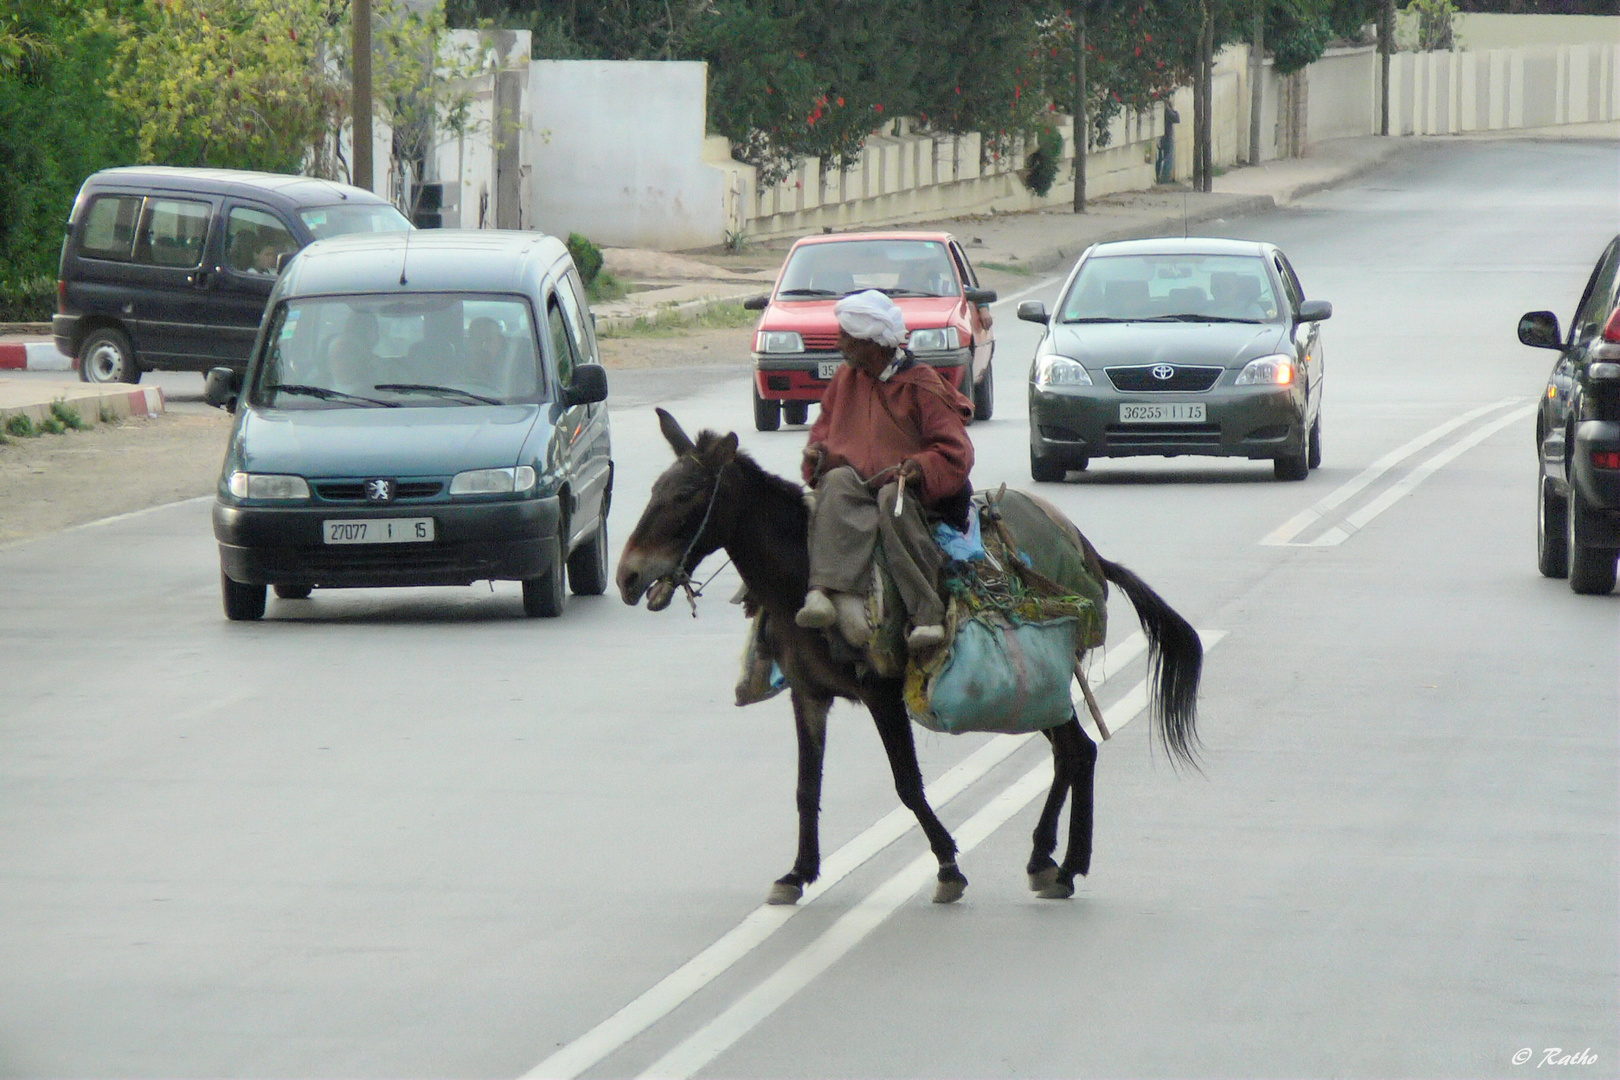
{"points": [[1033, 311], [589, 385], [1539, 330], [282, 260], [756, 303], [1315, 310], [221, 387], [980, 296]]}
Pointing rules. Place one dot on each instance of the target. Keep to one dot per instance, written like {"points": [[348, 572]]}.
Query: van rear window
{"points": [[109, 226], [328, 221]]}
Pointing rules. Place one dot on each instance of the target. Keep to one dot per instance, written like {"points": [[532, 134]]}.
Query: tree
{"points": [[51, 81], [232, 83]]}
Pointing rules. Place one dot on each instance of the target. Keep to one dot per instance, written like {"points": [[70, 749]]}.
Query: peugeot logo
{"points": [[379, 491], [1163, 372]]}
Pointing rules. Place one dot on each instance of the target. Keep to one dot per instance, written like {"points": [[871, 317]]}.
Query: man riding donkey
{"points": [[889, 448]]}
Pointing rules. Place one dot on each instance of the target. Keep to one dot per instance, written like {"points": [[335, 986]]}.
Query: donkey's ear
{"points": [[678, 439], [724, 451]]}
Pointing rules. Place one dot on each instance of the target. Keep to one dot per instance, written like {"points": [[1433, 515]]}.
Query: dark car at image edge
{"points": [[1578, 435]]}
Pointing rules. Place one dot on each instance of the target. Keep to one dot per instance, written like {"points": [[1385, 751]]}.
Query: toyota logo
{"points": [[379, 491], [1163, 372]]}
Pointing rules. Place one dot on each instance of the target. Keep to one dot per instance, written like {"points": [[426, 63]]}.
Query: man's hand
{"points": [[910, 472], [815, 455]]}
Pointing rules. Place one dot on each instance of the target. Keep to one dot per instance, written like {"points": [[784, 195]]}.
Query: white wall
{"points": [[1479, 32], [615, 151]]}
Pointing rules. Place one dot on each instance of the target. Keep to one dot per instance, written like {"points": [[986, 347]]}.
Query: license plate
{"points": [[1189, 412], [826, 369], [379, 531]]}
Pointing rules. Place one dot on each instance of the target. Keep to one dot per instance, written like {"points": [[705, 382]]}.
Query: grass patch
{"points": [[671, 323], [604, 287], [1009, 268], [21, 426], [67, 416]]}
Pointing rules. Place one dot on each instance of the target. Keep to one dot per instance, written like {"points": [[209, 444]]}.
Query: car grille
{"points": [[1185, 379], [1186, 436], [820, 342], [355, 491]]}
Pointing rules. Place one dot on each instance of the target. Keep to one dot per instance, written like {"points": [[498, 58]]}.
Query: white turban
{"points": [[873, 316]]}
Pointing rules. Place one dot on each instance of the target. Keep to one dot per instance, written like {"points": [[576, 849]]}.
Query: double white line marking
{"points": [[1284, 535], [776, 989]]}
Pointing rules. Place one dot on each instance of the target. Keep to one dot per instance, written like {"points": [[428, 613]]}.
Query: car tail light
{"points": [[1611, 329], [1606, 459]]}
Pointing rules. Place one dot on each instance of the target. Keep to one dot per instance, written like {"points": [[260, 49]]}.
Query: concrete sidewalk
{"points": [[1005, 248]]}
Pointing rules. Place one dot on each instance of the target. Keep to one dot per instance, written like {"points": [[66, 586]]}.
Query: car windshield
{"points": [[325, 222], [1171, 288], [429, 350], [897, 267]]}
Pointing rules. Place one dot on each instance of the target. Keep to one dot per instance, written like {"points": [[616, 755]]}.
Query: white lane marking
{"points": [[675, 988], [1021, 293], [99, 522], [1284, 534], [721, 1033], [1411, 480]]}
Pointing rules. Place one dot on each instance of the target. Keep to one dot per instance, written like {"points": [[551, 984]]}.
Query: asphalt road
{"points": [[399, 833]]}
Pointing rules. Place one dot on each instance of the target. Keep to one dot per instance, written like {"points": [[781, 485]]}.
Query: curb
{"points": [[94, 404], [34, 356], [620, 320]]}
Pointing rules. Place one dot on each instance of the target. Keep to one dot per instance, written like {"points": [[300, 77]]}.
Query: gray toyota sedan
{"points": [[1178, 346]]}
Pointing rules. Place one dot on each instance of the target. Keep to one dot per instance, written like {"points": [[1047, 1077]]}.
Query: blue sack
{"points": [[1000, 675]]}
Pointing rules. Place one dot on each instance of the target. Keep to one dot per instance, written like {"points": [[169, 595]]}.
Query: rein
{"points": [[682, 577]]}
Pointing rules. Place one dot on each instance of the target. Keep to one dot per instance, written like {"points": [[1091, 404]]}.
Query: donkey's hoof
{"points": [[784, 892], [1041, 880], [1061, 888], [952, 883]]}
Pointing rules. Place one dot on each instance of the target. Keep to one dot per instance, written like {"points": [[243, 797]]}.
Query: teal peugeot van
{"points": [[419, 408]]}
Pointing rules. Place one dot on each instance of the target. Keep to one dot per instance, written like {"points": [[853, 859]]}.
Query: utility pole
{"points": [[1081, 134], [1386, 45], [360, 58], [1208, 51], [1257, 74]]}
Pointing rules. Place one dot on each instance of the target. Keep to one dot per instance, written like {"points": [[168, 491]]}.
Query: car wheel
{"points": [[1313, 453], [767, 413], [795, 412], [243, 603], [1295, 466], [1591, 569], [984, 396], [294, 592], [106, 356], [1552, 543], [587, 567], [1046, 470]]}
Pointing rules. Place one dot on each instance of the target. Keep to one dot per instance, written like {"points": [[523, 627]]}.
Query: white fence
{"points": [[618, 151]]}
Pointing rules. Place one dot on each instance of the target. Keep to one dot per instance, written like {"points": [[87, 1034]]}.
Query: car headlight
{"points": [[493, 481], [1277, 370], [778, 341], [937, 340], [267, 486], [1054, 372]]}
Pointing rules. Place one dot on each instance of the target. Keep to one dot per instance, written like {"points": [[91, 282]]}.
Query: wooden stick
{"points": [[1091, 702]]}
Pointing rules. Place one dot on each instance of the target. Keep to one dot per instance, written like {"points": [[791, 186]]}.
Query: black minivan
{"points": [[169, 269]]}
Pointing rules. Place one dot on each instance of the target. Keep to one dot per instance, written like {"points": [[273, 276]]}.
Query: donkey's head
{"points": [[686, 517]]}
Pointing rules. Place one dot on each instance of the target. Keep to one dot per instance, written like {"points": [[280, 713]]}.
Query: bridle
{"points": [[681, 576]]}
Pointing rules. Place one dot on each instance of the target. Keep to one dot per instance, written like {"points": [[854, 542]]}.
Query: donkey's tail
{"points": [[1175, 662]]}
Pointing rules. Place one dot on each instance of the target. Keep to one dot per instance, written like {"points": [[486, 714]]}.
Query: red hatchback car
{"points": [[929, 277]]}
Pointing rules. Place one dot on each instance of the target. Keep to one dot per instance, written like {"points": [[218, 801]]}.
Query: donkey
{"points": [[715, 496]]}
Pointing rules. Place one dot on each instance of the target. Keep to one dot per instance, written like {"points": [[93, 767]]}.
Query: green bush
{"points": [[67, 416], [587, 257], [32, 300], [1041, 167], [21, 426]]}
